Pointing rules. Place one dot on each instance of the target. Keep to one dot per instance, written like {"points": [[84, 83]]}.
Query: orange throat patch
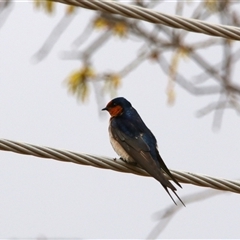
{"points": [[115, 111]]}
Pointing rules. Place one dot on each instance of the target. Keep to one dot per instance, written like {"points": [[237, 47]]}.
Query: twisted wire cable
{"points": [[114, 164], [132, 11]]}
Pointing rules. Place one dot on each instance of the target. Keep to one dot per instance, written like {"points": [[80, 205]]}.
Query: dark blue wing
{"points": [[134, 143]]}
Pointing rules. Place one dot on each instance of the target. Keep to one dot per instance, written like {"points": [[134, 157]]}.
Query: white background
{"points": [[47, 198]]}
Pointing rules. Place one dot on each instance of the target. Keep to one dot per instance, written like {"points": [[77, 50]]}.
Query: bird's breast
{"points": [[118, 148]]}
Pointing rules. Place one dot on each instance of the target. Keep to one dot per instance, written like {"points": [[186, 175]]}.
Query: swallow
{"points": [[134, 142]]}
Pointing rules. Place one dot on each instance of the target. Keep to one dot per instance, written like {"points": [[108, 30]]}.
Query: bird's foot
{"points": [[115, 159], [129, 162], [124, 160]]}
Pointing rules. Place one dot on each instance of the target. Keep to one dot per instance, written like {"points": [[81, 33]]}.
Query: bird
{"points": [[133, 141]]}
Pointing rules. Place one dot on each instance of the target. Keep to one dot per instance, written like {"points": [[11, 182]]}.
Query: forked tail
{"points": [[174, 191]]}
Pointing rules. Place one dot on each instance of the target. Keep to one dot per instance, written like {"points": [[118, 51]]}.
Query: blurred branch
{"points": [[163, 217], [186, 84], [83, 36], [158, 41], [122, 20], [53, 37], [5, 9]]}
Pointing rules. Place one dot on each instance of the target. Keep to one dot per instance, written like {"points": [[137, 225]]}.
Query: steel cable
{"points": [[149, 15], [114, 164]]}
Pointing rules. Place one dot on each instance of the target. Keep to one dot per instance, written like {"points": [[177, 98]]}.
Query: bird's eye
{"points": [[114, 104]]}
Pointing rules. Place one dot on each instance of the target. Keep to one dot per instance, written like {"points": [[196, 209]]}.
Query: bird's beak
{"points": [[104, 109]]}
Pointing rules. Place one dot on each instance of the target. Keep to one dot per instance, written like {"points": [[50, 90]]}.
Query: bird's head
{"points": [[117, 106]]}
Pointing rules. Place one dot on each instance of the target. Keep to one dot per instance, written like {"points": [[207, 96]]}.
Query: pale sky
{"points": [[52, 199]]}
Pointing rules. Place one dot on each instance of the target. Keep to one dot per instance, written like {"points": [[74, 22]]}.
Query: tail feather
{"points": [[166, 170], [174, 191], [170, 195], [158, 175]]}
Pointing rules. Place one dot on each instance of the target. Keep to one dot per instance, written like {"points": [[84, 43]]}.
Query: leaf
{"points": [[78, 82], [112, 83], [120, 29], [70, 9], [100, 23]]}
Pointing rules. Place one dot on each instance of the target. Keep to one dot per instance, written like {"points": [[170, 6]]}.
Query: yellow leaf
{"points": [[70, 9], [184, 52], [171, 94], [112, 82], [37, 3], [85, 92], [88, 72], [120, 29], [172, 74], [100, 23], [49, 6], [115, 80], [78, 82], [74, 81], [174, 64], [211, 5]]}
